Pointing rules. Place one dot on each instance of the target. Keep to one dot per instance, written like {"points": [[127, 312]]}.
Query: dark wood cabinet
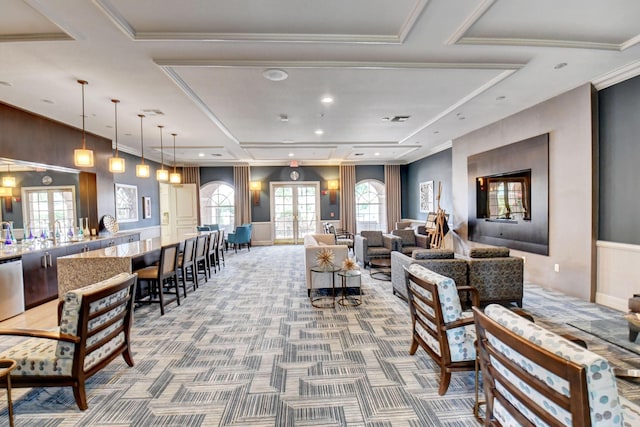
{"points": [[40, 272]]}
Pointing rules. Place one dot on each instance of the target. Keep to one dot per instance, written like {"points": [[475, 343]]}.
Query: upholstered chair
{"points": [[240, 237], [374, 244], [440, 326], [410, 241], [161, 279], [342, 237], [94, 329], [496, 275], [186, 265]]}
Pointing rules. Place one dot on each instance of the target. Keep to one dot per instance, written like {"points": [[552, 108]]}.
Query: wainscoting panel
{"points": [[617, 273]]}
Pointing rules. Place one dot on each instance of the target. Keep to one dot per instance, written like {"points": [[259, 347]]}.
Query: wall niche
{"points": [[509, 196]]}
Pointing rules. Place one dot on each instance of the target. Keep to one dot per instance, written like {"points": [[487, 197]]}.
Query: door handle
{"points": [[43, 261], [50, 260]]}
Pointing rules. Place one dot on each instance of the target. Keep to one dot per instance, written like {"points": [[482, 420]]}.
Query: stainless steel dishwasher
{"points": [[11, 288]]}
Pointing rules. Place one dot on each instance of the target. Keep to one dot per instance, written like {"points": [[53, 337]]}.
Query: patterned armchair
{"points": [[94, 329], [532, 376], [440, 326], [496, 275], [374, 244]]}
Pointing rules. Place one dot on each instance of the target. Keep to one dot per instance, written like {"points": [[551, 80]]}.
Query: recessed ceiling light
{"points": [[327, 100], [48, 101], [275, 74], [319, 132], [3, 83], [376, 154], [291, 154], [500, 98], [200, 154], [436, 131], [560, 65]]}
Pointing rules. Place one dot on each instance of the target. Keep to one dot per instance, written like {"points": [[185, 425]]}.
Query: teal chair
{"points": [[201, 228], [212, 227], [241, 236]]}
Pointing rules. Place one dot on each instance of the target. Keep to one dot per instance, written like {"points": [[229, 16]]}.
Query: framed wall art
{"points": [[126, 203], [426, 196], [146, 207]]}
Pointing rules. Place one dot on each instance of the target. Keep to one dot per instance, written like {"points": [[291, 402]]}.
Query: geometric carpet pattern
{"points": [[248, 349]]}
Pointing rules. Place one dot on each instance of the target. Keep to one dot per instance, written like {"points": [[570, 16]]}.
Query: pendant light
{"points": [[116, 164], [174, 177], [162, 174], [8, 180], [142, 170], [81, 156]]}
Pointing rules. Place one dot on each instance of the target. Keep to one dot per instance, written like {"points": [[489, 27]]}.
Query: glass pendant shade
{"points": [[142, 170], [6, 192], [116, 164], [162, 175], [9, 181], [175, 178], [82, 157]]}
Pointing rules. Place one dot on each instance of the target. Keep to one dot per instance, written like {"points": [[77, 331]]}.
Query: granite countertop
{"points": [[17, 250], [125, 250]]}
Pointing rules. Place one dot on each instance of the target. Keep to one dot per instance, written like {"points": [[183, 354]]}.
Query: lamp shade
{"points": [[83, 158], [255, 185], [6, 191], [333, 185], [175, 178], [142, 170], [162, 175], [9, 181], [116, 165]]}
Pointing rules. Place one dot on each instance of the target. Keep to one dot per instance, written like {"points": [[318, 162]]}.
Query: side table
{"points": [[344, 299], [6, 366], [332, 269]]}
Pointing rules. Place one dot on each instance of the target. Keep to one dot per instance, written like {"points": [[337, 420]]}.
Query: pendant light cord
{"points": [[115, 103], [174, 152], [161, 149], [84, 140], [141, 138]]}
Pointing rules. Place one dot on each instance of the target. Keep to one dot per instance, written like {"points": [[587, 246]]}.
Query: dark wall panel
{"points": [[619, 114]]}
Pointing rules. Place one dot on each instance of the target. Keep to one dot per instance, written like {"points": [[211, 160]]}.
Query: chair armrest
{"points": [[423, 240], [460, 322], [35, 333], [391, 242], [475, 295]]}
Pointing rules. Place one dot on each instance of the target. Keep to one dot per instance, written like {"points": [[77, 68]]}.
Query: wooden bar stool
{"points": [[160, 279]]}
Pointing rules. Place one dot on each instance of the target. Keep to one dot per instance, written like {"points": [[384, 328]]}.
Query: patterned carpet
{"points": [[248, 349]]}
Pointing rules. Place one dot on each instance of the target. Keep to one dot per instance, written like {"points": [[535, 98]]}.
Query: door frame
{"points": [[274, 184]]}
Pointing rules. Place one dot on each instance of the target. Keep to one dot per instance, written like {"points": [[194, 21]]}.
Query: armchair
{"points": [[374, 244], [241, 236], [532, 376], [496, 275], [94, 329], [342, 237], [410, 241], [439, 325]]}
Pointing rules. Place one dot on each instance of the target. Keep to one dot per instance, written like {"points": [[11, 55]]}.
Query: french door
{"points": [[295, 210]]}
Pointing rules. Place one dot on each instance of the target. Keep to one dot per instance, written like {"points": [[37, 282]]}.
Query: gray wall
{"points": [[619, 111], [569, 120], [436, 168]]}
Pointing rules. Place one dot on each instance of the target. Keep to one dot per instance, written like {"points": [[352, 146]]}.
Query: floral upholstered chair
{"points": [[94, 329], [440, 326], [531, 376], [496, 275]]}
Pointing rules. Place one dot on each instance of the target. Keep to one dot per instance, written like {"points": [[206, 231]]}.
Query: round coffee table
{"points": [[380, 268], [6, 366]]}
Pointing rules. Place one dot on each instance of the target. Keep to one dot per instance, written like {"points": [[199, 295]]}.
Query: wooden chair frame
{"points": [[418, 316], [577, 403], [79, 376]]}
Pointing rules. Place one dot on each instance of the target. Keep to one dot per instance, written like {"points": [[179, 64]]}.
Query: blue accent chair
{"points": [[241, 236], [201, 228], [212, 227]]}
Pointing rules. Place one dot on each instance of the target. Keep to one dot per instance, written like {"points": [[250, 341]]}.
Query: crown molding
{"points": [[475, 15], [616, 76]]}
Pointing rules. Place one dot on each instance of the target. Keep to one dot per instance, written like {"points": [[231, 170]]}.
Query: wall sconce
{"points": [[255, 187], [332, 185]]}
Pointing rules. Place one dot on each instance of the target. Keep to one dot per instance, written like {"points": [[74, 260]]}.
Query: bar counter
{"points": [[76, 271]]}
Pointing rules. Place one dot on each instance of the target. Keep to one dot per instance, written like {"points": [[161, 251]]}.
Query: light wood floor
{"points": [[44, 316]]}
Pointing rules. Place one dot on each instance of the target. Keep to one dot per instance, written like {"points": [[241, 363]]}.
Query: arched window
{"points": [[216, 205], [370, 206]]}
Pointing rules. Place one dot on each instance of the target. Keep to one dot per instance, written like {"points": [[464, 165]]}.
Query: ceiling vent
{"points": [[399, 119], [153, 112]]}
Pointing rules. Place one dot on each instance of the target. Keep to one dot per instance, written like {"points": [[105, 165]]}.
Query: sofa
{"points": [[313, 244], [374, 244], [441, 261], [530, 373], [496, 275]]}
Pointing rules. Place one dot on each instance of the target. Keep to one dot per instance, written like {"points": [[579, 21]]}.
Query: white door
{"points": [[295, 211], [180, 215]]}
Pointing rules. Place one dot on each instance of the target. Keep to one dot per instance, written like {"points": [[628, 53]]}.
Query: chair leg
{"points": [[445, 379], [161, 297], [414, 347], [126, 354], [80, 395]]}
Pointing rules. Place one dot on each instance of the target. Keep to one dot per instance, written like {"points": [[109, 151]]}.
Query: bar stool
{"points": [[212, 249], [200, 259], [160, 279]]}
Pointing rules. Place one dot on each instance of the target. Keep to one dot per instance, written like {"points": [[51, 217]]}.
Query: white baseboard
{"points": [[612, 302]]}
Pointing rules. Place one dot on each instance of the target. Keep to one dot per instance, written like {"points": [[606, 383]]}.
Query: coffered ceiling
{"points": [[406, 76]]}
